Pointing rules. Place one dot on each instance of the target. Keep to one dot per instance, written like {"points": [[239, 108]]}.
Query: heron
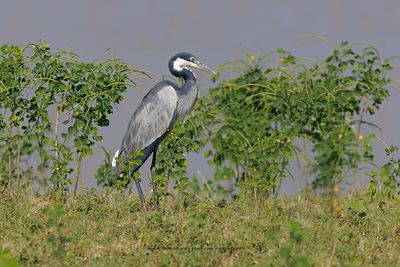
{"points": [[156, 115]]}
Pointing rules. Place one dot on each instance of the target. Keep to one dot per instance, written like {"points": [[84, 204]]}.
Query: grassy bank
{"points": [[111, 229]]}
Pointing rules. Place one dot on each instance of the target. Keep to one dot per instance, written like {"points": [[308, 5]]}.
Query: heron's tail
{"points": [[114, 159], [115, 164]]}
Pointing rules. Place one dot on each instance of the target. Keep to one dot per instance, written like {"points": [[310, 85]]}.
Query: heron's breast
{"points": [[186, 102]]}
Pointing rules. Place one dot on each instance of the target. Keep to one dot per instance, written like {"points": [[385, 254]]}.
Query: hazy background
{"points": [[147, 33]]}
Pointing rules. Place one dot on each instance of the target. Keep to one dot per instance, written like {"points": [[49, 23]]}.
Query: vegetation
{"points": [[268, 113], [51, 105], [261, 114], [111, 229]]}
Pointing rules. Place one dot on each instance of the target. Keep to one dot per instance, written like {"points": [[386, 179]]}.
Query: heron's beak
{"points": [[204, 67]]}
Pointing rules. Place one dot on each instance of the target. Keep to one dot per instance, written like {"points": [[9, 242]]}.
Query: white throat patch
{"points": [[180, 64]]}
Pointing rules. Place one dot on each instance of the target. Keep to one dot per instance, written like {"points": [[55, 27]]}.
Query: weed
{"points": [[104, 230]]}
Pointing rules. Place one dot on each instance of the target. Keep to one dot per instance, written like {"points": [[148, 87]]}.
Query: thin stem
{"points": [[306, 167], [206, 184], [41, 164], [9, 154], [361, 119], [18, 160], [78, 173], [57, 150], [363, 109]]}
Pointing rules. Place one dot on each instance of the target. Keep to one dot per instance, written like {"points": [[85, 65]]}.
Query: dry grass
{"points": [[111, 229]]}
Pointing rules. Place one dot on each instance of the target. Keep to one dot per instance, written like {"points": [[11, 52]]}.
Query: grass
{"points": [[112, 230]]}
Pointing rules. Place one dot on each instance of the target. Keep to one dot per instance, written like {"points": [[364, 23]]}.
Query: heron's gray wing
{"points": [[151, 120]]}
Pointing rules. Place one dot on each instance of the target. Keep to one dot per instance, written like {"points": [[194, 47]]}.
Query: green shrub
{"points": [[254, 119], [249, 124], [51, 106]]}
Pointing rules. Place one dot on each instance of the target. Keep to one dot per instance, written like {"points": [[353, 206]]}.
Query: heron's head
{"points": [[180, 62]]}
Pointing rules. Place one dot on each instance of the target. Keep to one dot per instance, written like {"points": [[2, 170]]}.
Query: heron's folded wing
{"points": [[151, 119]]}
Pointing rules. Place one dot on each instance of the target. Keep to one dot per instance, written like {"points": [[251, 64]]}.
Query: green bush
{"points": [[249, 125], [51, 106], [254, 119]]}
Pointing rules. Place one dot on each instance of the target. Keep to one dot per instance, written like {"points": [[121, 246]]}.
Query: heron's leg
{"points": [[153, 173], [139, 188], [153, 162], [140, 192]]}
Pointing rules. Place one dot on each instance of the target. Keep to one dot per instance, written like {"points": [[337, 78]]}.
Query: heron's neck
{"points": [[189, 78], [187, 94]]}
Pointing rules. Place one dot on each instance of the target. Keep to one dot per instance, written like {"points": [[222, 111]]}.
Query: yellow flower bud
{"points": [[337, 209], [252, 58], [336, 189]]}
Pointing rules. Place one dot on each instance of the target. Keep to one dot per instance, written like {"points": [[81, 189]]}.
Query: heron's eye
{"points": [[192, 59]]}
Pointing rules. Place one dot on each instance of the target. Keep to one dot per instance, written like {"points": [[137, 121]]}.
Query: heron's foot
{"points": [[155, 201], [147, 206]]}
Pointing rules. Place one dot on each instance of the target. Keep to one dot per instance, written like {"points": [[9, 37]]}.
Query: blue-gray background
{"points": [[147, 33]]}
